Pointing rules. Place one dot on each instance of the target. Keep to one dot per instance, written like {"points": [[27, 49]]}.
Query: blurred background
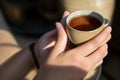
{"points": [[29, 19]]}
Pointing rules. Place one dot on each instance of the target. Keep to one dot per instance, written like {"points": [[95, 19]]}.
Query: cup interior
{"points": [[85, 13]]}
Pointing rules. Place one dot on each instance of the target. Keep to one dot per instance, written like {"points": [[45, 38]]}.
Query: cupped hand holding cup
{"points": [[83, 25]]}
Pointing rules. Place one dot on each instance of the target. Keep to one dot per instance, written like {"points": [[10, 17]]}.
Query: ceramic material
{"points": [[77, 36]]}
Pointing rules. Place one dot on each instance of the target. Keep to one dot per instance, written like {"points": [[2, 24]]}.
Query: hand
{"points": [[46, 43], [75, 63]]}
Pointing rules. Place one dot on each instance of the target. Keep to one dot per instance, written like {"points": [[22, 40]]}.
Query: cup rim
{"points": [[88, 12]]}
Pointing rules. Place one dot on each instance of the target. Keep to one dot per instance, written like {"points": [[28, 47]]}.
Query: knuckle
{"points": [[106, 53], [101, 62], [101, 54], [97, 42], [93, 45], [103, 51]]}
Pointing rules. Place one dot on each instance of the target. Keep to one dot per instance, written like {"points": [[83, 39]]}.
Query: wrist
{"points": [[34, 55], [37, 53]]}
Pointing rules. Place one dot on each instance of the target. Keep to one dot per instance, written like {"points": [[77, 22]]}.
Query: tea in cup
{"points": [[84, 25]]}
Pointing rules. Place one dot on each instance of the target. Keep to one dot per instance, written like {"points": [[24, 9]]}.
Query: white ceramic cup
{"points": [[78, 36]]}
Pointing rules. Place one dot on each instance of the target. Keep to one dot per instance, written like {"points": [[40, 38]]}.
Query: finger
{"points": [[49, 45], [66, 13], [103, 37], [98, 55], [94, 43], [61, 41], [48, 40], [50, 33]]}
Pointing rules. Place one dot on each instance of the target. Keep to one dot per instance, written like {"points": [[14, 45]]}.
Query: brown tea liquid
{"points": [[85, 23]]}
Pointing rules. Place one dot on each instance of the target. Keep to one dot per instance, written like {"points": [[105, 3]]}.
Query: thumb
{"points": [[61, 40]]}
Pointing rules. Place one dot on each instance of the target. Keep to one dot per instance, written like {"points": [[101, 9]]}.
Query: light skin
{"points": [[75, 62], [57, 62]]}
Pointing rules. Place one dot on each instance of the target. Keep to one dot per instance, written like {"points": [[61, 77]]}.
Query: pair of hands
{"points": [[59, 63]]}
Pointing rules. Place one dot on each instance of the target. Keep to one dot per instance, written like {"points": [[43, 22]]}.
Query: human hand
{"points": [[46, 42], [75, 63]]}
